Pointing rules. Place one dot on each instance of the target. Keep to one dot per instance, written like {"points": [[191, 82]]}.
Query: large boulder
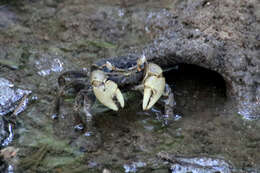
{"points": [[220, 36]]}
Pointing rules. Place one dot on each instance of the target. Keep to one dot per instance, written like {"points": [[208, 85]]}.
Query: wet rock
{"points": [[9, 156], [228, 51], [3, 131], [3, 165], [106, 171], [47, 64], [197, 168], [11, 100], [89, 142], [133, 167], [9, 153], [196, 164], [9, 97], [215, 56], [7, 18]]}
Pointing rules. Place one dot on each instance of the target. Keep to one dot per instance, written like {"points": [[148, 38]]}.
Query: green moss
{"points": [[9, 63], [58, 161], [34, 160]]}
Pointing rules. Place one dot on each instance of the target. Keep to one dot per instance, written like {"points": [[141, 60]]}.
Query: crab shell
{"points": [[124, 72]]}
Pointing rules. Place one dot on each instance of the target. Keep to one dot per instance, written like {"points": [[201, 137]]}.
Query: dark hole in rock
{"points": [[199, 93], [196, 89]]}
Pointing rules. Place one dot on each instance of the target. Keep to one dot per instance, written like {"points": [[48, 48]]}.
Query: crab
{"points": [[108, 78]]}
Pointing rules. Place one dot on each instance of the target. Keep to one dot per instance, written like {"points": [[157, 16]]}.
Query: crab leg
{"points": [[169, 101], [67, 80]]}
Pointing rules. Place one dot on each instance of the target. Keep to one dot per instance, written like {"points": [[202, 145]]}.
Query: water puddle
{"points": [[9, 97]]}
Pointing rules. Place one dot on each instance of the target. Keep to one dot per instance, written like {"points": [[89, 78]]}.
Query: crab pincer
{"points": [[154, 85], [106, 91]]}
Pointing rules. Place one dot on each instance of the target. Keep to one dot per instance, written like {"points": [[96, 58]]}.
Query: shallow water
{"points": [[205, 122], [130, 139]]}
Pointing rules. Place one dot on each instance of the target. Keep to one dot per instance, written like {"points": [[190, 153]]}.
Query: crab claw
{"points": [[107, 92], [153, 90]]}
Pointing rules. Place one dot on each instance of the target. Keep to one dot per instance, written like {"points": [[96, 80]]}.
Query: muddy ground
{"points": [[41, 39]]}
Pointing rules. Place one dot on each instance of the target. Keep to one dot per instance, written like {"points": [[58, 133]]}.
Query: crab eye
{"points": [[105, 69], [108, 67], [141, 62]]}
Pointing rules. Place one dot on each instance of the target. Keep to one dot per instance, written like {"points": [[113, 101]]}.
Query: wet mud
{"points": [[208, 132]]}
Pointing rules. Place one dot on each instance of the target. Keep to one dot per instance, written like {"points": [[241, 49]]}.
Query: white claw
{"points": [[107, 92], [147, 95], [120, 98], [153, 90]]}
